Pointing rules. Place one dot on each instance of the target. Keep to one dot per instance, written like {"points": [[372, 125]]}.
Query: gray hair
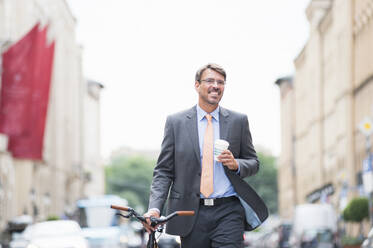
{"points": [[213, 67]]}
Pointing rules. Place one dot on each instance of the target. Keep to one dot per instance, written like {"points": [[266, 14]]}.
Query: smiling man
{"points": [[188, 176]]}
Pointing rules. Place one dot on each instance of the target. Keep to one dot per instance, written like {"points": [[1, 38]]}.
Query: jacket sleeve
{"points": [[163, 173], [247, 160]]}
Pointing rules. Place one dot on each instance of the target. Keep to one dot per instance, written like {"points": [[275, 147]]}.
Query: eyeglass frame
{"points": [[211, 81]]}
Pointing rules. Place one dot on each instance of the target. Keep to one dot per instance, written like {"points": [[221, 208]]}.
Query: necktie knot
{"points": [[208, 117]]}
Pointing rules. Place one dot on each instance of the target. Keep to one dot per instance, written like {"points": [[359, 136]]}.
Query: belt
{"points": [[216, 201]]}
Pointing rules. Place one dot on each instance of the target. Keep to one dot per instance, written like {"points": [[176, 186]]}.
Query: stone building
{"points": [[71, 167], [322, 105]]}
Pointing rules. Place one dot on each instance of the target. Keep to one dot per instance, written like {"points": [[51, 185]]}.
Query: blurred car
{"points": [[100, 224], [368, 242], [14, 228], [310, 218], [51, 234], [122, 236], [317, 238]]}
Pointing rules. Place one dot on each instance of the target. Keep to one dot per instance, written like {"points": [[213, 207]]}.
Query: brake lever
{"points": [[124, 216]]}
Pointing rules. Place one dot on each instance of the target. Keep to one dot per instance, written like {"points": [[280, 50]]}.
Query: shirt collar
{"points": [[201, 113]]}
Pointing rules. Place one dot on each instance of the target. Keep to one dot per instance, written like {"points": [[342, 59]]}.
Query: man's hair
{"points": [[213, 67]]}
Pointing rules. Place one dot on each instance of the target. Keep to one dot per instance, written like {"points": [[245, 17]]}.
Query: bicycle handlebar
{"points": [[185, 213], [154, 221], [119, 208]]}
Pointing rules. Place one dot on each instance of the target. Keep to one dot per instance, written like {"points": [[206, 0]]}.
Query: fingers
{"points": [[147, 224], [227, 159]]}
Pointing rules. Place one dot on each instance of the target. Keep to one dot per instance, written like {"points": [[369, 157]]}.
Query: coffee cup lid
{"points": [[221, 142]]}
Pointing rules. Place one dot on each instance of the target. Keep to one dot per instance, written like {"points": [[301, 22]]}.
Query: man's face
{"points": [[210, 89]]}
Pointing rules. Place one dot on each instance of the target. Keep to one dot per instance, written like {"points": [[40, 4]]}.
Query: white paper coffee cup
{"points": [[219, 146]]}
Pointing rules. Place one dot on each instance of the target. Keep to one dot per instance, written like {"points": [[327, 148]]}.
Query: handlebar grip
{"points": [[119, 207], [185, 213]]}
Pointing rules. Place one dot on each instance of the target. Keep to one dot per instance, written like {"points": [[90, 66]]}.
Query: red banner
{"points": [[29, 144], [43, 101], [17, 84]]}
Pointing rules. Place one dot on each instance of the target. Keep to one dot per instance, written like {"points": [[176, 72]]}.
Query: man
{"points": [[191, 179]]}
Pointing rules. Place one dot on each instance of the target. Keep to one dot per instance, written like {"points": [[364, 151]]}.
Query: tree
{"points": [[357, 210], [265, 181], [130, 177]]}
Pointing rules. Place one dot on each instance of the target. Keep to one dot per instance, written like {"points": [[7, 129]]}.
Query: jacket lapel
{"points": [[223, 124], [191, 126]]}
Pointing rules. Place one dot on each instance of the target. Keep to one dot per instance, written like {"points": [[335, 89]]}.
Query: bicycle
{"points": [[154, 222]]}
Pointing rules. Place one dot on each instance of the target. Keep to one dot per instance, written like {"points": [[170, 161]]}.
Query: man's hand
{"points": [[147, 225], [227, 159]]}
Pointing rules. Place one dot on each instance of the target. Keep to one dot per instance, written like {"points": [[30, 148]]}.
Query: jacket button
{"points": [[199, 174], [198, 194]]}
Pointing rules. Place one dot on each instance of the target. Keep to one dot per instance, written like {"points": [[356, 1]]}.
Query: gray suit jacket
{"points": [[177, 174]]}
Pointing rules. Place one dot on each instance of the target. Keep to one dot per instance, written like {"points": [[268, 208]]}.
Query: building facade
{"points": [[322, 105], [71, 162]]}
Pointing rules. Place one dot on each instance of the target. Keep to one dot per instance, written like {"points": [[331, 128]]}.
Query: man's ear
{"points": [[196, 85]]}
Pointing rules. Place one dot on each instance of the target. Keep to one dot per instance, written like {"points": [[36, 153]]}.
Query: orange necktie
{"points": [[207, 186]]}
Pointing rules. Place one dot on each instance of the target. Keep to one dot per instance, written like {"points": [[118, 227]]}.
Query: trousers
{"points": [[217, 226]]}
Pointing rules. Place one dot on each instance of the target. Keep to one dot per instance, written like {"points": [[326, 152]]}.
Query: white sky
{"points": [[146, 53]]}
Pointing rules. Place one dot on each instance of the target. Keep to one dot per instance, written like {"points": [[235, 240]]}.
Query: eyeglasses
{"points": [[211, 81]]}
